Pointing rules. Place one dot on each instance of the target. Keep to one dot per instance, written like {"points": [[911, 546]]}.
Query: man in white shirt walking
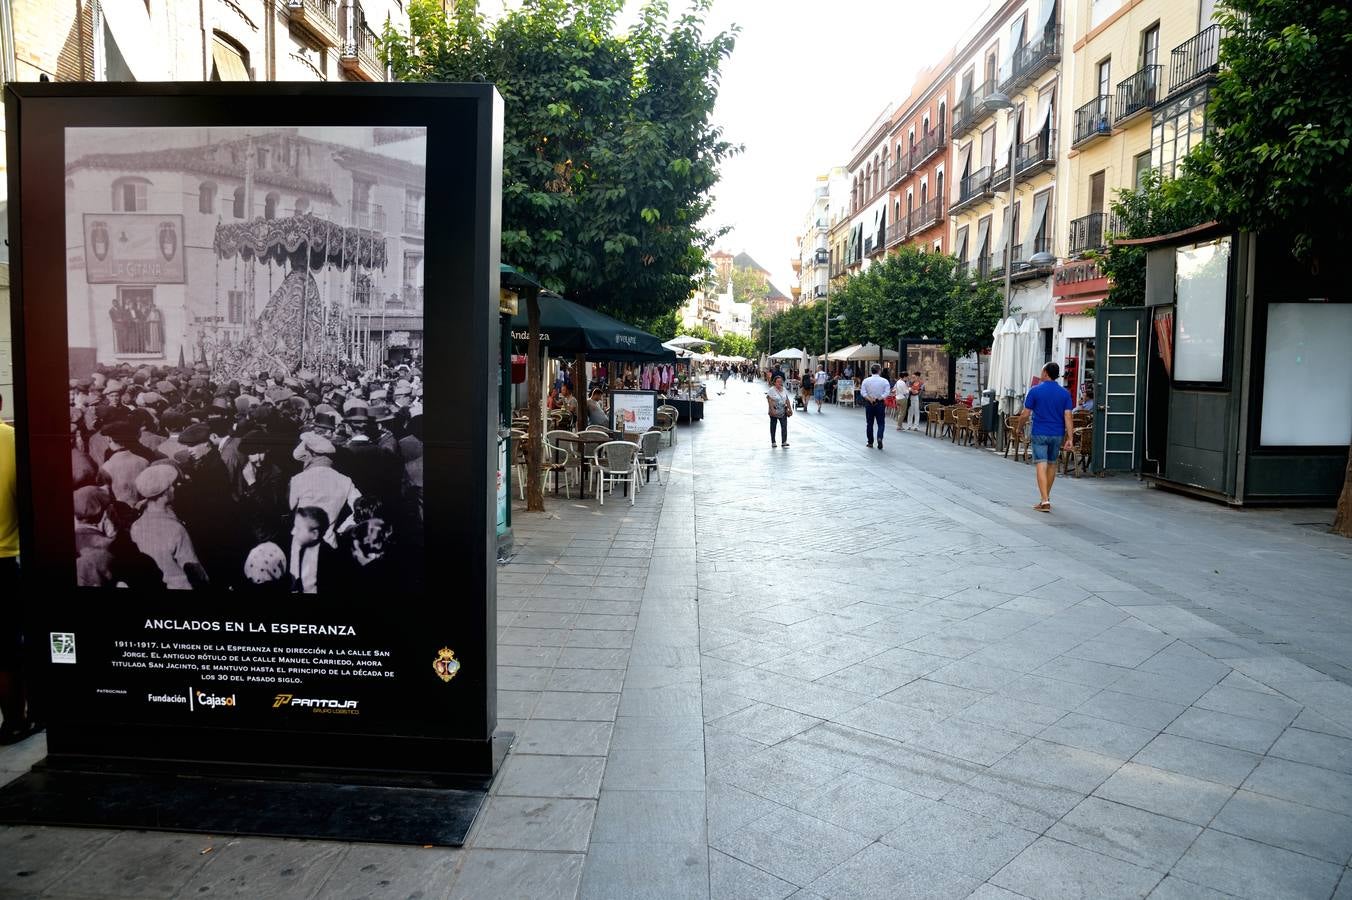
{"points": [[874, 390]]}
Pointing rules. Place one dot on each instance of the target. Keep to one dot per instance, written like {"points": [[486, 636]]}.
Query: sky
{"points": [[804, 83]]}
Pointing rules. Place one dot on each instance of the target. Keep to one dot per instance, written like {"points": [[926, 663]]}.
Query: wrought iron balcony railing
{"points": [[972, 109], [1195, 58], [1031, 60], [1037, 154], [933, 141], [974, 187], [927, 215], [896, 232], [1137, 93], [1093, 120], [1090, 232]]}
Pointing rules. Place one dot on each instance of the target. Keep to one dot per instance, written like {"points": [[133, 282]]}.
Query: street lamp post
{"points": [[994, 101]]}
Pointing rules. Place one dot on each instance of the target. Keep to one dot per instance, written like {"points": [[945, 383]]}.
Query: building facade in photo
{"points": [[129, 303], [916, 177]]}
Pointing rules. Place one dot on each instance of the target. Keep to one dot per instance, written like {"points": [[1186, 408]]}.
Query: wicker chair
{"points": [[962, 425], [1016, 429], [649, 443], [980, 436], [667, 417], [933, 413], [949, 423]]}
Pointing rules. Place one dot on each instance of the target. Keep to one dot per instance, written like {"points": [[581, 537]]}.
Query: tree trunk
{"points": [[1342, 521], [535, 488]]}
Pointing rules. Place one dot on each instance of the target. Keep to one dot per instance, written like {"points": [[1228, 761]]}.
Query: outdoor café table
{"points": [[584, 443]]}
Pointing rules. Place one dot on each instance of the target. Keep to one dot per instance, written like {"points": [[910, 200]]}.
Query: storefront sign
{"points": [[633, 412], [1077, 286], [133, 248]]}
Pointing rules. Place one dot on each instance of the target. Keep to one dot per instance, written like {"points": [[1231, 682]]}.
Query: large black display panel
{"points": [[255, 332]]}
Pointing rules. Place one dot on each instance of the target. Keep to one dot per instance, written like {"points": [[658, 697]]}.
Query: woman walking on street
{"points": [[780, 407]]}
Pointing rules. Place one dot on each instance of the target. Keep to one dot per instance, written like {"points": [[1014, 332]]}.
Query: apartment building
{"points": [[869, 198], [1007, 84], [916, 176], [812, 265], [172, 40], [1140, 78]]}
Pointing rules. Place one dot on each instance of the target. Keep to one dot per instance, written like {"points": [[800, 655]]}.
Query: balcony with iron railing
{"points": [[821, 257], [318, 18], [927, 215], [360, 56], [1090, 232], [1195, 59], [896, 232], [1037, 155], [898, 170], [933, 142], [973, 189], [1023, 269], [1137, 94], [1031, 60], [971, 110], [1093, 120], [411, 296], [368, 215], [413, 221]]}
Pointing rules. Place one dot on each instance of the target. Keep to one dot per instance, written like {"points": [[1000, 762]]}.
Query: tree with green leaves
{"points": [[609, 149], [1158, 206], [1282, 150]]}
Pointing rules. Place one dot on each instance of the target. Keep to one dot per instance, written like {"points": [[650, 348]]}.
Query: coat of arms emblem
{"points": [[168, 240], [446, 665]]}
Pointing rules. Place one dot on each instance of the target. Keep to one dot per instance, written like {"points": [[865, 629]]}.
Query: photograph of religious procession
{"points": [[245, 322]]}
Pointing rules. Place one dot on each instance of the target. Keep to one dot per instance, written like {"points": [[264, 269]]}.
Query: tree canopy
{"points": [[609, 151], [1282, 108], [906, 294]]}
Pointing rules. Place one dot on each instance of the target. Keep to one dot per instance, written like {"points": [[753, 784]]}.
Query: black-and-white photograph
{"points": [[245, 322]]}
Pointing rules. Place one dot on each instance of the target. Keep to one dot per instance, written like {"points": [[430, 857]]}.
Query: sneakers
{"points": [[773, 445], [786, 445], [869, 445], [880, 445]]}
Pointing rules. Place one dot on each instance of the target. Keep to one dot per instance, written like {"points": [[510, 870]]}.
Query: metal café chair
{"points": [[648, 446], [616, 463]]}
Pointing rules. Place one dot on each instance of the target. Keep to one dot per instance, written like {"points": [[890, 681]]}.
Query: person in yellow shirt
{"points": [[16, 725]]}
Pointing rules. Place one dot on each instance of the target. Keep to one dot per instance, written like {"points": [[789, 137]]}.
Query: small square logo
{"points": [[63, 647]]}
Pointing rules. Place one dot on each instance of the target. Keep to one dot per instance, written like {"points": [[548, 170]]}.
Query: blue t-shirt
{"points": [[1049, 403]]}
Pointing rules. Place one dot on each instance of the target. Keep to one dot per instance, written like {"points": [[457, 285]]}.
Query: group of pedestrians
{"points": [[1048, 403]]}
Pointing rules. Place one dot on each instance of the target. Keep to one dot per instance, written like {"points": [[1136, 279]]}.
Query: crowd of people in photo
{"points": [[285, 482]]}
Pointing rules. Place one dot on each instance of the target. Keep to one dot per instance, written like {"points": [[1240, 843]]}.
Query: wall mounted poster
{"points": [[239, 436], [633, 412]]}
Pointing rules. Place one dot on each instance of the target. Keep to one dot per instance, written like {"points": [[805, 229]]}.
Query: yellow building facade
{"points": [[1121, 71]]}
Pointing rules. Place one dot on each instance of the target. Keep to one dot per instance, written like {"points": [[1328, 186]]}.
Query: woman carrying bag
{"points": [[780, 407]]}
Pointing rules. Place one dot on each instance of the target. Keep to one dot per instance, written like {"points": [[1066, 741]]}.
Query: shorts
{"points": [[1046, 447], [819, 393]]}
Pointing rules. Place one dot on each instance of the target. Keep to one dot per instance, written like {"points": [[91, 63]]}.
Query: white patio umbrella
{"points": [[864, 353], [789, 353], [685, 341]]}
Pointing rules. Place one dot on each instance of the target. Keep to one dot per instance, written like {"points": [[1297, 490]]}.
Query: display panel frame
{"points": [[415, 724]]}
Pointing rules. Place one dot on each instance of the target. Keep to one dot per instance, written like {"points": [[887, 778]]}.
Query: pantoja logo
{"points": [[311, 702], [213, 700]]}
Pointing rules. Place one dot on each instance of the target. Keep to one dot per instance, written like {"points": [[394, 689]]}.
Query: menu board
{"points": [[633, 412]]}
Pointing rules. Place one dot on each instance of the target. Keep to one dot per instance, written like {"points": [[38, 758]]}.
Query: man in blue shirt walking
{"points": [[1050, 406]]}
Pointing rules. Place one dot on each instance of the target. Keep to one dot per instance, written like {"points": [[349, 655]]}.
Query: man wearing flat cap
{"points": [[319, 484], [127, 458], [205, 502], [159, 534]]}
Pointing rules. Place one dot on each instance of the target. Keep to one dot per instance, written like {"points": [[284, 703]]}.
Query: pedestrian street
{"points": [[830, 671]]}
